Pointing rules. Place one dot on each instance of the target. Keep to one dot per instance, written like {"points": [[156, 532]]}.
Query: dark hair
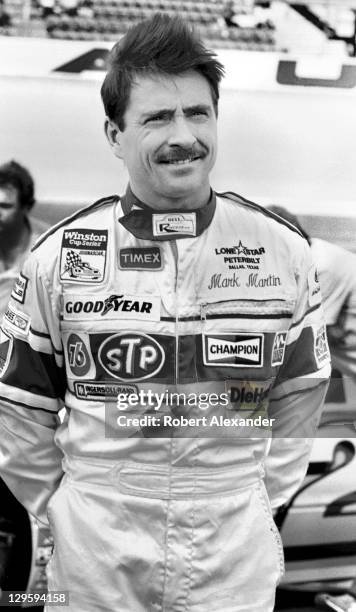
{"points": [[288, 216], [14, 175], [160, 45]]}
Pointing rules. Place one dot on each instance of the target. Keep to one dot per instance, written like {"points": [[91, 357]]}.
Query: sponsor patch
{"points": [[241, 257], [248, 395], [115, 306], [223, 281], [278, 348], [19, 289], [240, 350], [18, 320], [321, 347], [6, 344], [83, 255], [314, 292], [145, 258], [103, 391], [129, 356], [78, 356], [174, 223]]}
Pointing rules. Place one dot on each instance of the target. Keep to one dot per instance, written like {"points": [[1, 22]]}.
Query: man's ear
{"points": [[113, 135]]}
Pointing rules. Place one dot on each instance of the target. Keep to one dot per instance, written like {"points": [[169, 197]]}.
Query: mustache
{"points": [[180, 154]]}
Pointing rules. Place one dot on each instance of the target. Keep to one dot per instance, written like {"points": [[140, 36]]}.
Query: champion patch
{"points": [[102, 391], [278, 348], [175, 223], [6, 344], [83, 255], [321, 347], [19, 289], [146, 258], [17, 320], [233, 350], [114, 306]]}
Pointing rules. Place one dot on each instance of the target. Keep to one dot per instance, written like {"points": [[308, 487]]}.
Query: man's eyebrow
{"points": [[194, 108], [200, 108], [158, 111]]}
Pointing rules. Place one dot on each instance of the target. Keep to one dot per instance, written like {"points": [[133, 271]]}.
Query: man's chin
{"points": [[182, 186]]}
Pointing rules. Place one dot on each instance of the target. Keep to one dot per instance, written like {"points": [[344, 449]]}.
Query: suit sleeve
{"points": [[299, 392], [342, 334], [32, 386]]}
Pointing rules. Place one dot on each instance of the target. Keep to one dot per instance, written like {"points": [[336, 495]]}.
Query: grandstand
{"points": [[251, 25], [108, 19]]}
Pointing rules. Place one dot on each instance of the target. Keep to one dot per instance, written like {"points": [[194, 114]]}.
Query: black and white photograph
{"points": [[178, 305]]}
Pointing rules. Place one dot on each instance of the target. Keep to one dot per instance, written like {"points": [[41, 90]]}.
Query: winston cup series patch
{"points": [[83, 255]]}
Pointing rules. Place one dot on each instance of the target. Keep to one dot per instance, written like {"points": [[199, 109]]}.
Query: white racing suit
{"points": [[336, 268], [163, 516]]}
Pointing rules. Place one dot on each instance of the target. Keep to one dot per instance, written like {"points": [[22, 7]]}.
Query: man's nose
{"points": [[181, 133]]}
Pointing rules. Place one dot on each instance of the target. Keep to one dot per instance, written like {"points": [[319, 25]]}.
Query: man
{"points": [[337, 274], [17, 197], [168, 290], [17, 235]]}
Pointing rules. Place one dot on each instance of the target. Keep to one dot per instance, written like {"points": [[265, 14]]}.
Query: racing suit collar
{"points": [[139, 218]]}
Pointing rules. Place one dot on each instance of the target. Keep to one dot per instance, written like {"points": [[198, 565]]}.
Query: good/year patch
{"points": [[114, 306], [83, 255]]}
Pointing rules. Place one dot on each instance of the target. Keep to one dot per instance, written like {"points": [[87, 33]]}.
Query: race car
{"points": [[318, 525]]}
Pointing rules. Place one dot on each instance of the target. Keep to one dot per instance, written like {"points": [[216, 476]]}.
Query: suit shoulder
{"points": [[84, 215], [257, 208]]}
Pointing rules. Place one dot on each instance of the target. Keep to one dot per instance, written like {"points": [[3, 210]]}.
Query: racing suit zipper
{"points": [[176, 332], [206, 306]]}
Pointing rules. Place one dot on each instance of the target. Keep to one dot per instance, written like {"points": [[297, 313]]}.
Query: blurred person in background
{"points": [[17, 233], [337, 275], [336, 268], [5, 19]]}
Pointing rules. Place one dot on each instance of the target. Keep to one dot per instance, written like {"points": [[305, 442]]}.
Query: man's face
{"points": [[12, 215], [169, 140]]}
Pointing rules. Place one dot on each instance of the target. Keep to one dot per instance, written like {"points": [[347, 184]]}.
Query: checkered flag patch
{"points": [[72, 260]]}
